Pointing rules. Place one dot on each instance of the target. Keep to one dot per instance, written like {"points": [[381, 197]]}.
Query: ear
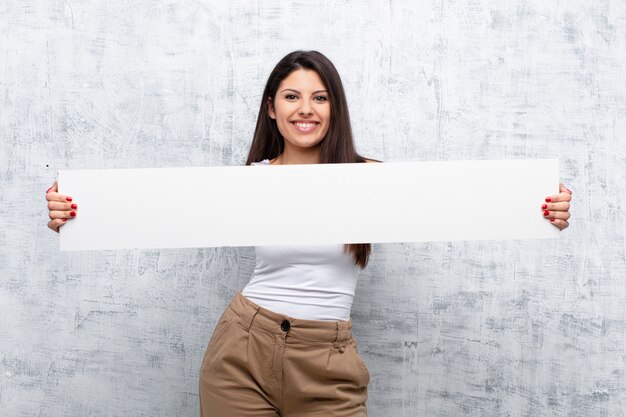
{"points": [[270, 108]]}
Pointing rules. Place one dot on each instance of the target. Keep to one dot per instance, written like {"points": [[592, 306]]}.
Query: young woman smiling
{"points": [[284, 345]]}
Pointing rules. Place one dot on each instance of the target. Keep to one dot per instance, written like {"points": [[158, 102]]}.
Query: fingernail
{"points": [[68, 198], [545, 213], [64, 220], [74, 206], [548, 199], [72, 213], [543, 206], [568, 190], [552, 219], [48, 190]]}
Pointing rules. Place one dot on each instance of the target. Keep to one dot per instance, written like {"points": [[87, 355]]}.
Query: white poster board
{"points": [[308, 204]]}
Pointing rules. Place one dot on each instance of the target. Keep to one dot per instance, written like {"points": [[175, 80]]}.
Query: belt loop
{"points": [[344, 331], [253, 314], [343, 334], [248, 312]]}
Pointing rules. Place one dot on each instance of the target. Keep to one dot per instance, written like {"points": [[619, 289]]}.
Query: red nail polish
{"points": [[544, 206], [74, 206], [546, 213], [64, 220], [552, 219], [68, 198], [72, 213], [548, 199]]}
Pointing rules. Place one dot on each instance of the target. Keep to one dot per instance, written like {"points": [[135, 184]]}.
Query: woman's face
{"points": [[301, 109]]}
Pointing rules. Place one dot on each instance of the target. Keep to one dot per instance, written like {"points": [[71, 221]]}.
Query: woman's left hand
{"points": [[556, 207]]}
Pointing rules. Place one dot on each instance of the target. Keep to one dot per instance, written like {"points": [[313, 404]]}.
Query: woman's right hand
{"points": [[60, 207]]}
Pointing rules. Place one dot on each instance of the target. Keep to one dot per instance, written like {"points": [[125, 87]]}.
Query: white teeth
{"points": [[305, 125]]}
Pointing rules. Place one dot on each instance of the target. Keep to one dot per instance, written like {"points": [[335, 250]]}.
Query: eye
{"points": [[291, 97], [321, 98]]}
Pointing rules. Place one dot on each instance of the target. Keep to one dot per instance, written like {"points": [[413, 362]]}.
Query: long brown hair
{"points": [[336, 147]]}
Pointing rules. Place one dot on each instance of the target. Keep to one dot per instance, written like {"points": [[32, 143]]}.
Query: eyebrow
{"points": [[314, 92]]}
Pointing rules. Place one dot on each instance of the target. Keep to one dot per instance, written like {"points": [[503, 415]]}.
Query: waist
{"points": [[301, 303], [317, 294], [253, 315]]}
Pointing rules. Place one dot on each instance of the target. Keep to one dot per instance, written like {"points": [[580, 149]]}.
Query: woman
{"points": [[284, 344]]}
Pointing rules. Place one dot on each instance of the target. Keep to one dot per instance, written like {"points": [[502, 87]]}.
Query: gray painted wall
{"points": [[515, 328]]}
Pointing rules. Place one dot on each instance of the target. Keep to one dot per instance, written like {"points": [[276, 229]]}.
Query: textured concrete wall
{"points": [[517, 328]]}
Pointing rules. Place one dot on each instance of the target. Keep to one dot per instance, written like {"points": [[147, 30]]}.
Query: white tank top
{"points": [[311, 282]]}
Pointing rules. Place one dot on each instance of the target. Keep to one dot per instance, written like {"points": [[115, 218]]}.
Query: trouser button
{"points": [[285, 325]]}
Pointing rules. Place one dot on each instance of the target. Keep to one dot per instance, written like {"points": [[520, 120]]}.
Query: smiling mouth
{"points": [[305, 126]]}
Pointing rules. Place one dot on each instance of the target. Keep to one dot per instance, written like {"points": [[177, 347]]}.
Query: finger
{"points": [[564, 189], [55, 214], [55, 187], [58, 206], [559, 215], [56, 223], [564, 206], [561, 224], [54, 196], [560, 197]]}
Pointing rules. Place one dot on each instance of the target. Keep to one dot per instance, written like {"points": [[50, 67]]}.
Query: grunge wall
{"points": [[502, 328]]}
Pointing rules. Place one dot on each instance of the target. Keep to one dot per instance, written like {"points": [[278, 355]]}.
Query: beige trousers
{"points": [[260, 363]]}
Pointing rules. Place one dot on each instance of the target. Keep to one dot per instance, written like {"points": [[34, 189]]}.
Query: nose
{"points": [[305, 108]]}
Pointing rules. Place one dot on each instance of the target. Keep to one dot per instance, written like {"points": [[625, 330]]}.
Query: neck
{"points": [[292, 156]]}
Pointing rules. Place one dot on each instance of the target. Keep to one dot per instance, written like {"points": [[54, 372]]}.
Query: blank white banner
{"points": [[308, 204]]}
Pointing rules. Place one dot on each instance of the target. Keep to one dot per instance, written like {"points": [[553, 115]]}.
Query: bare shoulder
{"points": [[371, 160]]}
